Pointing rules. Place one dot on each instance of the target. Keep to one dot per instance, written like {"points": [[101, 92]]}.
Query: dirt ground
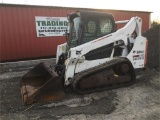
{"points": [[140, 101]]}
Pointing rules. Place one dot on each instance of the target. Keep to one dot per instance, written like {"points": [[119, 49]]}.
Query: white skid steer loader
{"points": [[96, 57]]}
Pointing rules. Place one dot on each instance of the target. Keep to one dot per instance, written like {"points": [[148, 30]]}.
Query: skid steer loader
{"points": [[95, 57]]}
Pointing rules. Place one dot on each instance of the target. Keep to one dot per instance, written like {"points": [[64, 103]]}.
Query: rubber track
{"points": [[107, 65]]}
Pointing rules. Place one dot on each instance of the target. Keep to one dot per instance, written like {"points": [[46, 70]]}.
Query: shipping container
{"points": [[18, 37]]}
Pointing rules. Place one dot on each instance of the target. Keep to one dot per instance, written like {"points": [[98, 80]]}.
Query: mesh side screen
{"points": [[105, 26], [90, 31], [97, 28]]}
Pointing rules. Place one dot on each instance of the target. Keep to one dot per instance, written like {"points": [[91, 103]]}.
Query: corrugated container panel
{"points": [[18, 39], [0, 34]]}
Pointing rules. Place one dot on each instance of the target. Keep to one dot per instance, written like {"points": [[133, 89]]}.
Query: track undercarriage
{"points": [[116, 73]]}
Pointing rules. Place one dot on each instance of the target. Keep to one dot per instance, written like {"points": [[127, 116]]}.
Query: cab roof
{"points": [[88, 14]]}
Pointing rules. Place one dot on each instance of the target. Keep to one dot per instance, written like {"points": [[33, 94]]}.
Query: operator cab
{"points": [[87, 26]]}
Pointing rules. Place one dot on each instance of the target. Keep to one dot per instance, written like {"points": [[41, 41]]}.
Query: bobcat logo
{"points": [[78, 52]]}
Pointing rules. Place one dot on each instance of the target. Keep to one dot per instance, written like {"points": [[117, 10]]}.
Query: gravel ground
{"points": [[140, 101]]}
